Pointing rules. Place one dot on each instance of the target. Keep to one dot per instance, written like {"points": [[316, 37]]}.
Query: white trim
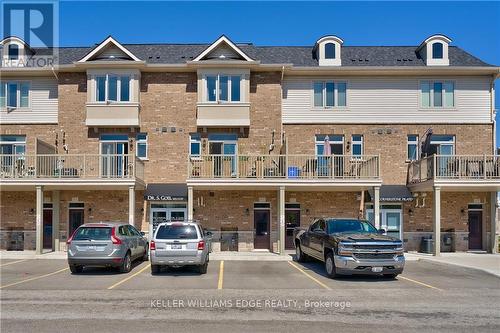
{"points": [[104, 44], [219, 41]]}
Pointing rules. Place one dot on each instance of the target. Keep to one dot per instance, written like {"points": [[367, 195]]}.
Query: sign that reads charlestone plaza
{"points": [[30, 33]]}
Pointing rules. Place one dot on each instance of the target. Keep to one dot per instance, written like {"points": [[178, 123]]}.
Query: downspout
{"points": [[282, 133]]}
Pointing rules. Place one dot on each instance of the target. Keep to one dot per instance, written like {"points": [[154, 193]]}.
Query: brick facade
{"points": [[390, 141]]}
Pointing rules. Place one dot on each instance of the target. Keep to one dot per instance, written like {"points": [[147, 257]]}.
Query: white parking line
{"points": [[34, 278], [13, 262]]}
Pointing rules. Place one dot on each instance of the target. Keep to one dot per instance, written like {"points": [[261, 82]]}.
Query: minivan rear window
{"points": [[177, 231], [93, 233]]}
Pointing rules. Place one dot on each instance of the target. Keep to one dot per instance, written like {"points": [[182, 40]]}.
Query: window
{"points": [[195, 145], [12, 144], [437, 94], [15, 94], [112, 88], [442, 144], [329, 51], [357, 145], [437, 51], [13, 52], [223, 88], [329, 94], [412, 147], [142, 145]]}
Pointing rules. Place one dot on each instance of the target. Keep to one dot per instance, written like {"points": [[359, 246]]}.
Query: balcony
{"points": [[112, 115], [459, 172], [284, 169], [223, 115], [68, 169]]}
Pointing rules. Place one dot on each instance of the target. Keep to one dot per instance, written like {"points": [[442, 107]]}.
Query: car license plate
{"points": [[91, 247], [176, 246], [377, 269]]}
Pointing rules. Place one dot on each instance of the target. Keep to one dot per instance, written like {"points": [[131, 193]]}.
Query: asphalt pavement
{"points": [[245, 296]]}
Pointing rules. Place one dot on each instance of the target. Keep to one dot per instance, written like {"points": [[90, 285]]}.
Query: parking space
{"points": [[264, 275], [246, 275]]}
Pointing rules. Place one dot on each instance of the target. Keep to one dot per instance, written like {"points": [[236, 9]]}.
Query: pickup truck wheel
{"points": [[299, 255], [145, 255], [390, 276], [330, 266], [75, 269]]}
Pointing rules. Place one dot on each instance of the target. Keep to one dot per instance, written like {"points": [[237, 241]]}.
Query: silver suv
{"points": [[176, 244], [106, 244]]}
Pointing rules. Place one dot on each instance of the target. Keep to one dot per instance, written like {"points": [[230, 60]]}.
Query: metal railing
{"points": [[284, 167], [459, 167], [84, 166]]}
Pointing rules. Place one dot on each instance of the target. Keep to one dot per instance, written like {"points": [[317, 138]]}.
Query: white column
{"points": [[281, 220], [39, 219], [55, 220], [376, 206], [493, 223], [131, 205], [190, 204], [436, 217]]}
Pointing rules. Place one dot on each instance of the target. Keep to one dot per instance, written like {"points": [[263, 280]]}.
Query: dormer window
{"points": [[13, 52], [329, 51], [437, 50]]}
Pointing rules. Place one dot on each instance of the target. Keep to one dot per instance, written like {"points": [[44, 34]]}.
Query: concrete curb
{"points": [[461, 265]]}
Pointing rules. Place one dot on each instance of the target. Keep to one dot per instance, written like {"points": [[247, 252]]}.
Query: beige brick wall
{"points": [[470, 139]]}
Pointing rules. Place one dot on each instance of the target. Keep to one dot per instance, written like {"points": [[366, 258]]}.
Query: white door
{"points": [[391, 219]]}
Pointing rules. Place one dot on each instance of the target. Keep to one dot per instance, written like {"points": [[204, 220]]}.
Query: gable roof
{"points": [[222, 40], [104, 44]]}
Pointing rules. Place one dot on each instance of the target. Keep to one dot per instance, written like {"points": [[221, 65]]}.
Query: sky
{"points": [[473, 26]]}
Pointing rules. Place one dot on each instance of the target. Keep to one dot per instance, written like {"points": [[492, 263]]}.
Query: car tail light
{"points": [[201, 245], [114, 239], [70, 239], [152, 245]]}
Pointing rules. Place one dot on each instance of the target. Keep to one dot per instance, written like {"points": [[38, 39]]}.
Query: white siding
{"points": [[43, 103], [387, 100]]}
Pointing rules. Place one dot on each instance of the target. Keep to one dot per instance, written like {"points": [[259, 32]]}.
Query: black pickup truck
{"points": [[350, 246]]}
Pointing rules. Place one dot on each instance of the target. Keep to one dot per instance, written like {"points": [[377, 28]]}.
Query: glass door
{"points": [[391, 219], [158, 215], [224, 157], [177, 214], [114, 159]]}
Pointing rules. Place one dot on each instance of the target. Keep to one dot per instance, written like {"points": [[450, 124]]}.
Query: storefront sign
{"points": [[164, 198]]}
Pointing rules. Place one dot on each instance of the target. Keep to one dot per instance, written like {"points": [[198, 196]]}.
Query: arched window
{"points": [[329, 51], [437, 51], [13, 52]]}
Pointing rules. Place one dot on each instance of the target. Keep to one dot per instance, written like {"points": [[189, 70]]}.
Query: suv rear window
{"points": [[94, 233], [177, 231]]}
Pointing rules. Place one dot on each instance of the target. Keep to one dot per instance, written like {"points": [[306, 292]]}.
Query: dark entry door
{"points": [[292, 221], [75, 219], [475, 230], [47, 228], [261, 225]]}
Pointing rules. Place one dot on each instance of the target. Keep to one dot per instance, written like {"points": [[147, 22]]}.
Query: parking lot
{"points": [[261, 296]]}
